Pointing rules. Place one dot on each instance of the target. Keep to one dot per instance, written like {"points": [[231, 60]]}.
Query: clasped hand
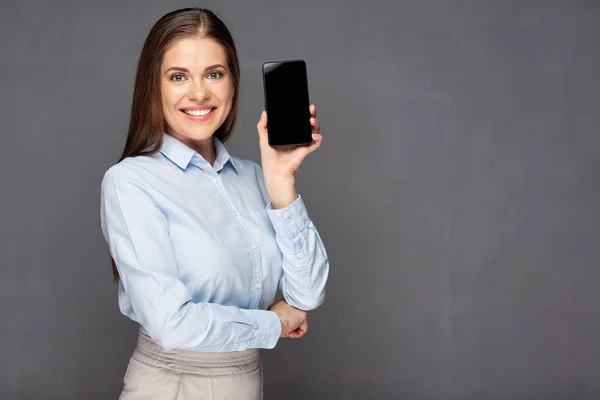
{"points": [[294, 322]]}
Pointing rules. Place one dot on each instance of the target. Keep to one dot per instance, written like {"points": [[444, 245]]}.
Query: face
{"points": [[197, 90]]}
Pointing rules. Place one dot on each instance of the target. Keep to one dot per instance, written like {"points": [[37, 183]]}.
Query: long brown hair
{"points": [[146, 124]]}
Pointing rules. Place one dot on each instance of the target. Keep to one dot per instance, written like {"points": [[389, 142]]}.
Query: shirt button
{"points": [[236, 346], [234, 214], [264, 342], [215, 180], [258, 286], [254, 245], [288, 221], [300, 255]]}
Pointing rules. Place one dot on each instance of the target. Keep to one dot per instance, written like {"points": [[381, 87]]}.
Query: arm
{"points": [[137, 234], [305, 262]]}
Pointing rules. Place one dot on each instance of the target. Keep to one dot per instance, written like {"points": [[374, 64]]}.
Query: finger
{"points": [[300, 331], [303, 328], [317, 141], [301, 152], [294, 335], [316, 125], [313, 110]]}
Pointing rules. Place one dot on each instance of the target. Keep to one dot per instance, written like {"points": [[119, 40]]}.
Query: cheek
{"points": [[224, 91], [226, 96], [171, 96]]}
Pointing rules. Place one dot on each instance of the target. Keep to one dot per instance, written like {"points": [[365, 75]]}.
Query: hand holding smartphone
{"points": [[287, 103]]}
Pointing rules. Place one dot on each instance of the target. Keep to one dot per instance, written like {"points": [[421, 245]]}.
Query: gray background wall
{"points": [[456, 192]]}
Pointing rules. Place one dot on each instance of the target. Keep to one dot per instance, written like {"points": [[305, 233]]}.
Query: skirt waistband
{"points": [[188, 361]]}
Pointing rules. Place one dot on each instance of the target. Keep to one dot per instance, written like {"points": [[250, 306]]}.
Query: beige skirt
{"points": [[156, 374]]}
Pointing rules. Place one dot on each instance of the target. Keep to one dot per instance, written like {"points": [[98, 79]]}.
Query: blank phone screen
{"points": [[287, 103]]}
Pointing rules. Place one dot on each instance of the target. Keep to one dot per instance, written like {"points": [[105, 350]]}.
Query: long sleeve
{"points": [[136, 231], [305, 262]]}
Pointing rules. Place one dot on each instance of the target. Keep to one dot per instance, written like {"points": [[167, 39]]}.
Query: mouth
{"points": [[201, 114]]}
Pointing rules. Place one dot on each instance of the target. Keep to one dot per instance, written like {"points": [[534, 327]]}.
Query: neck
{"points": [[206, 150]]}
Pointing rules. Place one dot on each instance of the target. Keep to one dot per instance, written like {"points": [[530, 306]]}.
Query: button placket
{"points": [[256, 276], [255, 253]]}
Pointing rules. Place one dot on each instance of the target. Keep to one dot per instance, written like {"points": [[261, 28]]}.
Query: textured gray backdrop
{"points": [[456, 192]]}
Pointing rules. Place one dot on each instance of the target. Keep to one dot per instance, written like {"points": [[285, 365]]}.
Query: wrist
{"points": [[282, 192], [282, 323], [273, 182]]}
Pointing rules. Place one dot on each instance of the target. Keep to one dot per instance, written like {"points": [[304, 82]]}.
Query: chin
{"points": [[201, 136], [198, 134]]}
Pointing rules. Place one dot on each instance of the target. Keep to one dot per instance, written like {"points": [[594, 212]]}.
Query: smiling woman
{"points": [[200, 240], [187, 36], [196, 86]]}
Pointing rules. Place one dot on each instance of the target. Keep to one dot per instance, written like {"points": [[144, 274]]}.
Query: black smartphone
{"points": [[287, 103]]}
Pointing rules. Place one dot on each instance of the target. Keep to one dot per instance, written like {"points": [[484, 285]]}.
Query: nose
{"points": [[198, 90]]}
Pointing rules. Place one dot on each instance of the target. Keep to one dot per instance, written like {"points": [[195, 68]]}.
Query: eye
{"points": [[215, 75], [177, 77]]}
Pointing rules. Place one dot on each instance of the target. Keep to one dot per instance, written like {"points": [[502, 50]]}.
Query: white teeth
{"points": [[198, 113]]}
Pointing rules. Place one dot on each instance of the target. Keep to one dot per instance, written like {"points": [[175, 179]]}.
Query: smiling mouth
{"points": [[198, 113]]}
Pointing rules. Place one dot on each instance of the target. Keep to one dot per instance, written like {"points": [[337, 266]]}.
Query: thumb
{"points": [[261, 126]]}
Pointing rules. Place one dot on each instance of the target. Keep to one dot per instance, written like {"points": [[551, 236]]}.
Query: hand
{"points": [[294, 323], [283, 162]]}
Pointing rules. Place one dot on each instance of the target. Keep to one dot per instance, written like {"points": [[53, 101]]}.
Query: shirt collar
{"points": [[182, 155]]}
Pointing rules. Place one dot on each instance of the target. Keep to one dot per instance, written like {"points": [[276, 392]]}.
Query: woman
{"points": [[201, 240]]}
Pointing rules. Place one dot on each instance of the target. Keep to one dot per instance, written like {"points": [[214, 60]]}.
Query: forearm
{"points": [[304, 258], [305, 263], [210, 327]]}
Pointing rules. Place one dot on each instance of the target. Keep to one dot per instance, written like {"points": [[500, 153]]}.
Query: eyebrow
{"points": [[181, 69]]}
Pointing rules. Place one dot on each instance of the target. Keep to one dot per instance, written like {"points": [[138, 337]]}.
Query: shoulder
{"points": [[133, 172]]}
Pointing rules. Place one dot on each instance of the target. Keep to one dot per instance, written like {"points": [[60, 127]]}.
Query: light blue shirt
{"points": [[201, 252]]}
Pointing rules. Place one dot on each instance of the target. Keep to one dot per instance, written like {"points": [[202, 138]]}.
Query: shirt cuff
{"points": [[269, 329], [292, 219]]}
